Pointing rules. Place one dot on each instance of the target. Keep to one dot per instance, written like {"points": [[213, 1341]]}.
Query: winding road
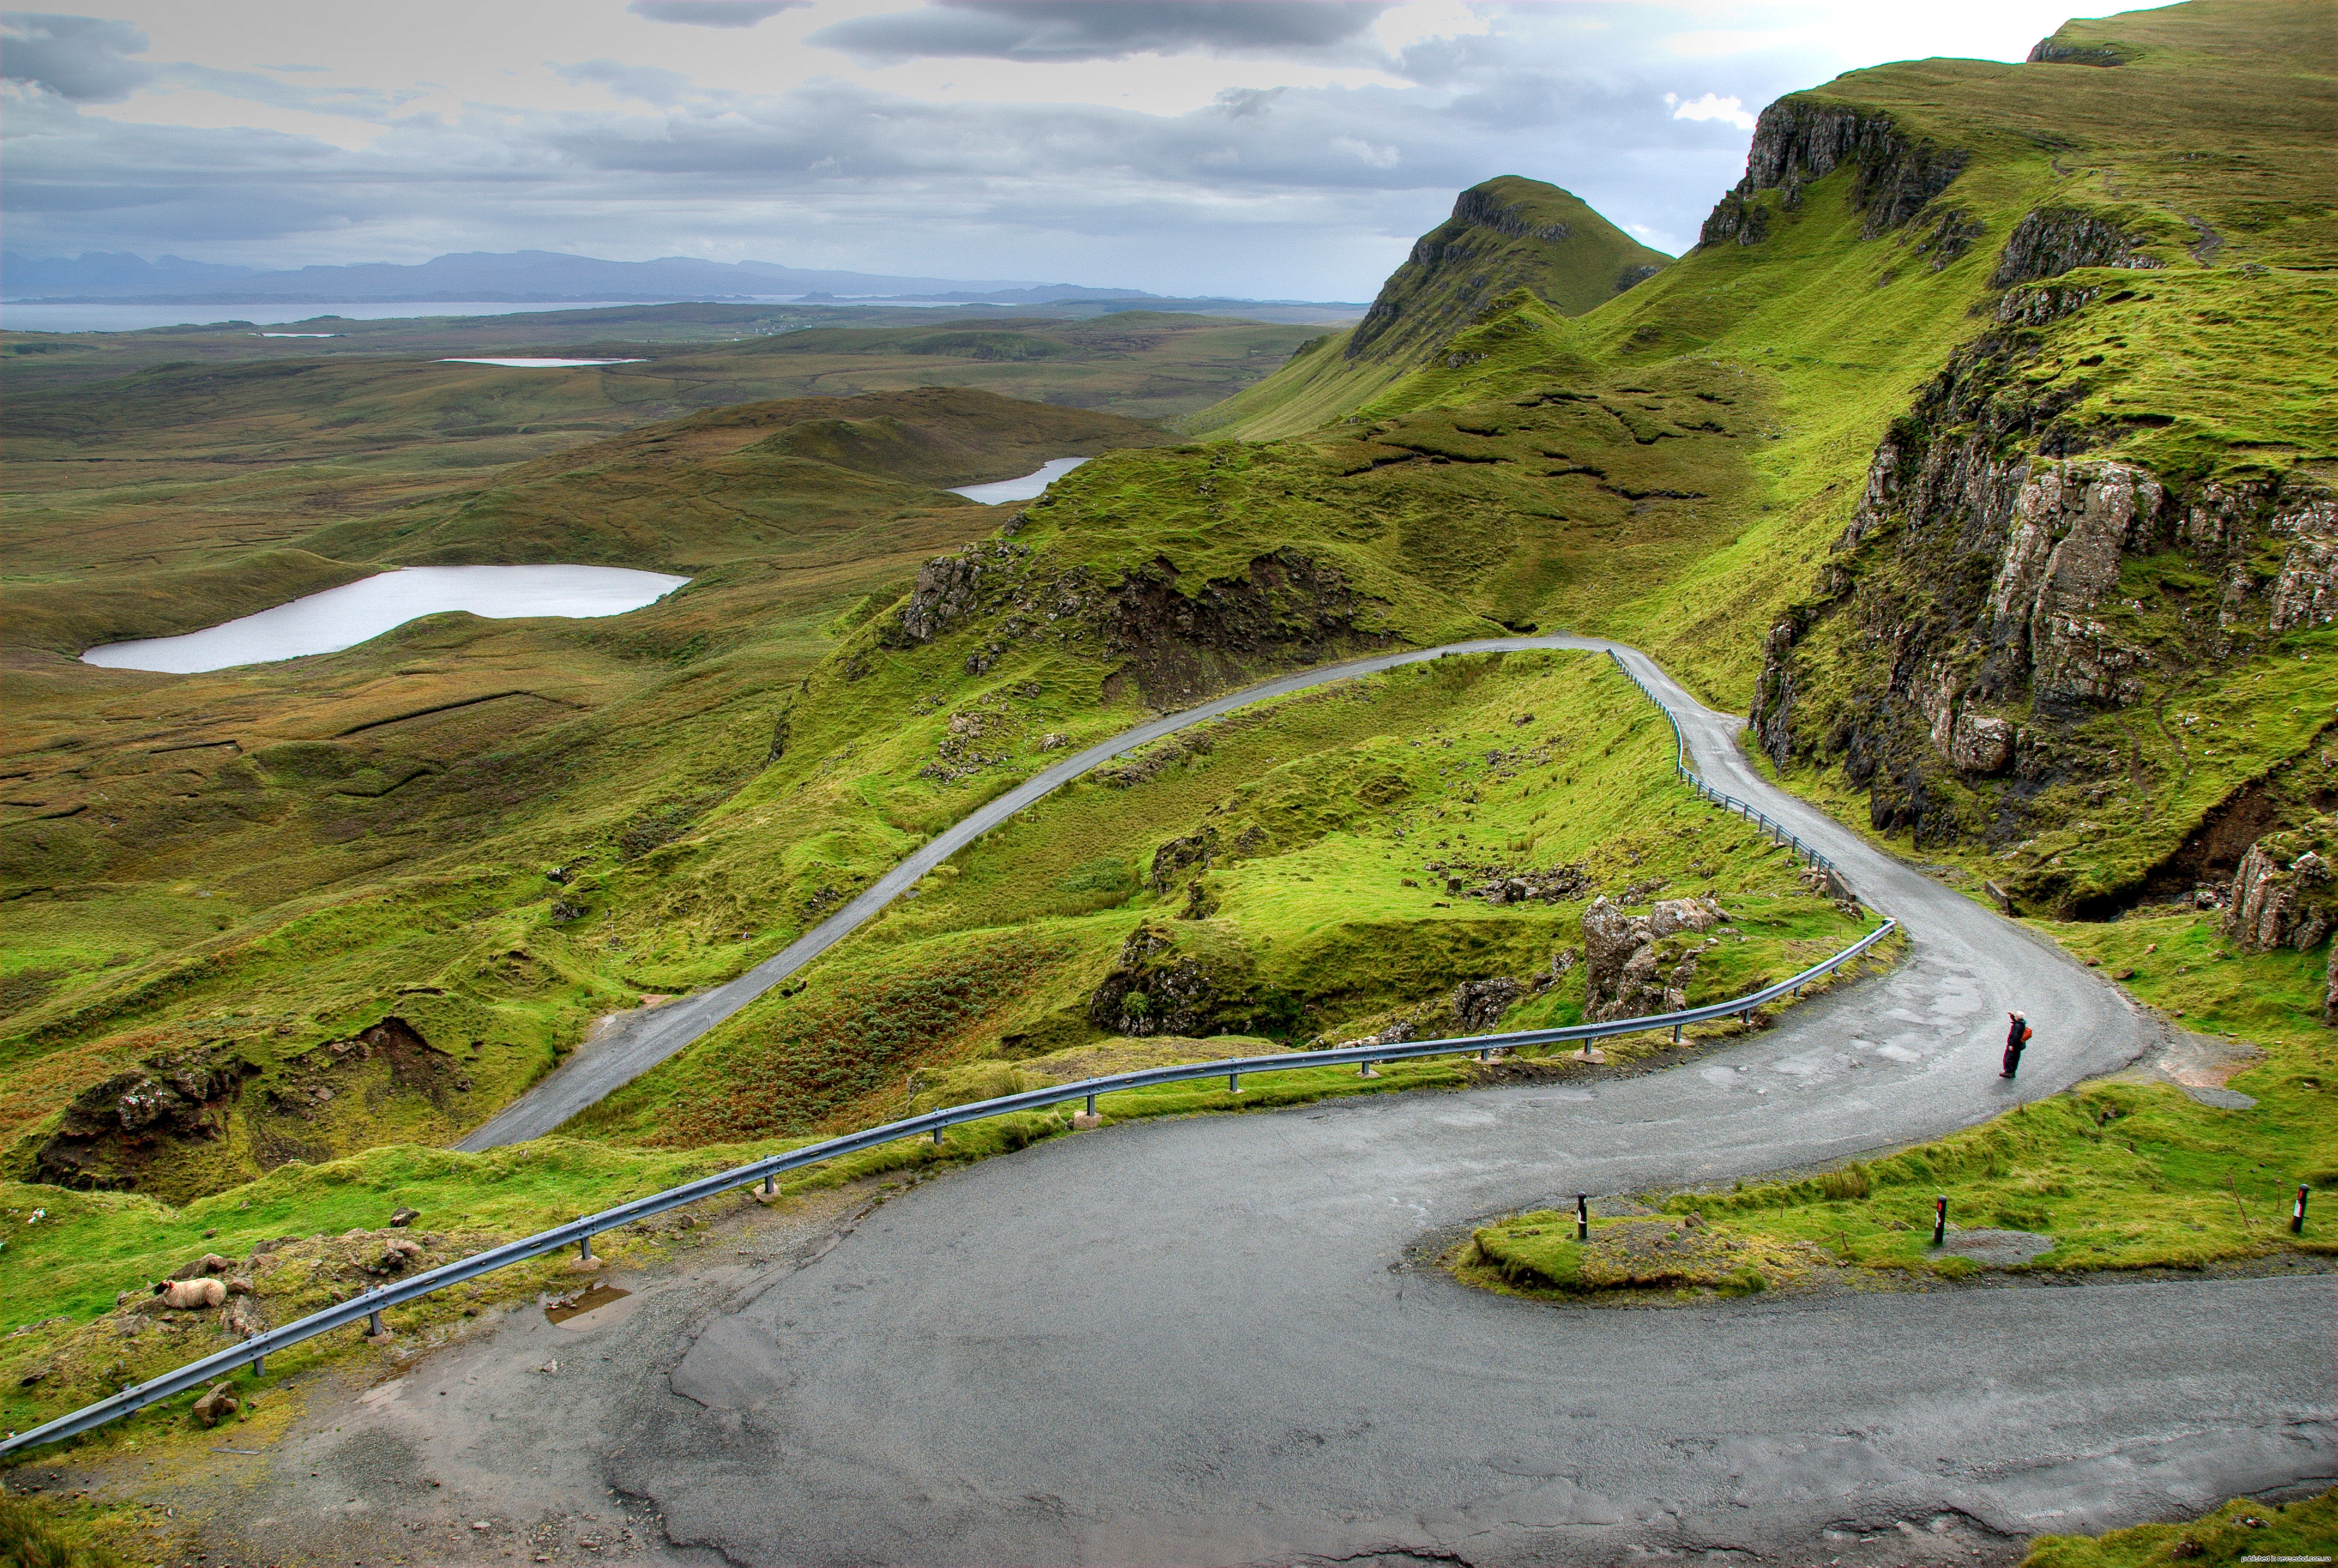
{"points": [[1211, 1340]]}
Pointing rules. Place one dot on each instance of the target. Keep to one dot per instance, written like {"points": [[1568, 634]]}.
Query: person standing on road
{"points": [[2017, 1035]]}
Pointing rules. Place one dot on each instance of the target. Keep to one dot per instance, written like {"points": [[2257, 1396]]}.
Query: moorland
{"points": [[1983, 451]]}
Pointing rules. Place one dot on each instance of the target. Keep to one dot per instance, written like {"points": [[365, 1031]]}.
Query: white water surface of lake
{"points": [[1022, 489], [357, 612], [528, 364]]}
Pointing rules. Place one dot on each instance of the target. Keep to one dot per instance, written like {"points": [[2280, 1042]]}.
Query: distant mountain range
{"points": [[519, 276]]}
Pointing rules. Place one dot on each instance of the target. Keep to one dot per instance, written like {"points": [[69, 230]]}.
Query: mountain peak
{"points": [[1509, 233]]}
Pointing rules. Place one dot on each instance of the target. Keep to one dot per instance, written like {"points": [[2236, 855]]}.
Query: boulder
{"points": [[945, 592], [1480, 1004], [1669, 916], [241, 1317], [1621, 964], [403, 1218], [1980, 744], [216, 1405]]}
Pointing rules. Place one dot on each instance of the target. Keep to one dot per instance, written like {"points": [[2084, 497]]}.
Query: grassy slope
{"points": [[1541, 239], [2223, 116], [1342, 797], [259, 860]]}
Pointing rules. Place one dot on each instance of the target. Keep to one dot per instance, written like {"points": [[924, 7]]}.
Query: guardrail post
{"points": [[1583, 1216], [1091, 1104], [585, 1249], [1676, 1029], [771, 1182], [373, 1326], [937, 1134], [260, 1365], [1233, 1083]]}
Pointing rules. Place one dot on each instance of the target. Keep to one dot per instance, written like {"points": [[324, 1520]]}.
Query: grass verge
{"points": [[2243, 1531]]}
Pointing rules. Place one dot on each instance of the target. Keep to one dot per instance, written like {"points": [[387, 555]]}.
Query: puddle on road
{"points": [[561, 1309]]}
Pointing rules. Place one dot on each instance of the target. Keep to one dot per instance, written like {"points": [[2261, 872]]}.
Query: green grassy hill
{"points": [[1505, 235], [1950, 287]]}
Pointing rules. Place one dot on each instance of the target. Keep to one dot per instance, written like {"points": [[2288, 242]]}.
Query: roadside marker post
{"points": [[1940, 1220], [2297, 1214], [1583, 1216]]}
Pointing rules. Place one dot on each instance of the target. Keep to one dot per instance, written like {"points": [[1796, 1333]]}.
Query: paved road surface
{"points": [[1202, 1340]]}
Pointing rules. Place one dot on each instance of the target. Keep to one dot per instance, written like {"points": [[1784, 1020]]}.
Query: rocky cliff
{"points": [[1799, 140], [2003, 598]]}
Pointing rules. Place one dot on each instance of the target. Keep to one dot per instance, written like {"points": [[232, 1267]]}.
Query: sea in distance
{"points": [[22, 316]]}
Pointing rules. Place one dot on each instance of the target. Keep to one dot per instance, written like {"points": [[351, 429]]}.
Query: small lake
{"points": [[1022, 489], [357, 611], [543, 364]]}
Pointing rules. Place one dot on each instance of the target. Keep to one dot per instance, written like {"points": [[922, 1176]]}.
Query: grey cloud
{"points": [[81, 58], [650, 84], [712, 13], [356, 103], [1247, 103], [1074, 30], [1289, 192]]}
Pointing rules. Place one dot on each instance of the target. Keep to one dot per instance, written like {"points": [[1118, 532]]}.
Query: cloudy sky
{"points": [[1259, 148]]}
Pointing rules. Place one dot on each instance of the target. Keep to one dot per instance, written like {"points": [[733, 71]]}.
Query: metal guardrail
{"points": [[369, 1306], [1778, 831]]}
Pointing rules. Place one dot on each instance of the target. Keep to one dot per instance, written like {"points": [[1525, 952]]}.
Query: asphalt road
{"points": [[1207, 1340]]}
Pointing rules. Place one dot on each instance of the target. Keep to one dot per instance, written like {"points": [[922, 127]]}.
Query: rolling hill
{"points": [[1982, 449]]}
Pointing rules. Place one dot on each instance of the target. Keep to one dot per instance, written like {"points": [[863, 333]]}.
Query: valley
{"points": [[1982, 456]]}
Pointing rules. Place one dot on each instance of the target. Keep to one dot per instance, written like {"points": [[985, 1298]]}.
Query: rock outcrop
{"points": [[1975, 611], [2281, 898], [1197, 987], [949, 588], [1627, 972], [175, 1099], [1798, 140], [2052, 240], [1479, 1005], [2055, 50], [1286, 609]]}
